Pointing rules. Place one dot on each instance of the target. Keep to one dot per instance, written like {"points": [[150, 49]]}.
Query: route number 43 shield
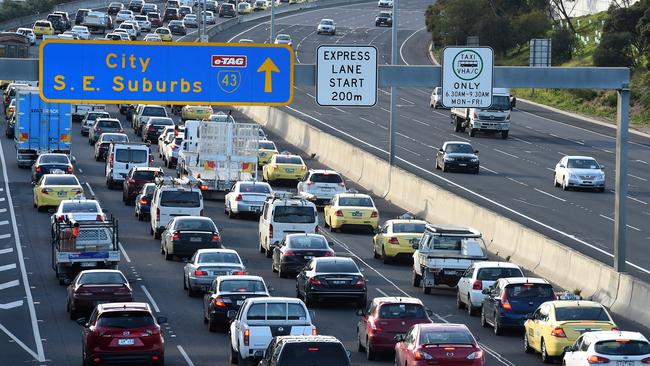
{"points": [[229, 80]]}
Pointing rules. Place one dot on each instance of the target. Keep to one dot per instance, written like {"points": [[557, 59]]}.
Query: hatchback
{"points": [[438, 344], [138, 176], [295, 250], [608, 347], [96, 286]]}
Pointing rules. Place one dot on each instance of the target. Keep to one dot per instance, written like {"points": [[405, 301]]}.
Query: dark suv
{"points": [[123, 332], [170, 14], [305, 350], [57, 22], [384, 18], [136, 179], [227, 10], [136, 6], [154, 127]]}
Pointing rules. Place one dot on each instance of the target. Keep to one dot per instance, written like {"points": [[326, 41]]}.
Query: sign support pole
{"points": [[620, 198], [393, 90], [272, 35]]}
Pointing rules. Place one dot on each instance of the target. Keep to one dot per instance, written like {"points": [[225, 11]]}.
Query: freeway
{"points": [[516, 175]]}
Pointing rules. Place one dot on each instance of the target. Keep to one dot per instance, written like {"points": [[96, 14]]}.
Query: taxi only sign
{"points": [[467, 77]]}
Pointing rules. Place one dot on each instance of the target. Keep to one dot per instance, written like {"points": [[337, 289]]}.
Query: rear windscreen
{"points": [[145, 174], [108, 124], [445, 337], [219, 257], [288, 160], [276, 311], [356, 201], [193, 224], [581, 313], [114, 138], [101, 278], [530, 291], [295, 214], [125, 319], [493, 274], [307, 242], [131, 156], [162, 122], [54, 159], [61, 180], [337, 267], [180, 199], [267, 146], [242, 286], [254, 188], [313, 354], [622, 347], [79, 207], [402, 311], [154, 112], [409, 228], [326, 178]]}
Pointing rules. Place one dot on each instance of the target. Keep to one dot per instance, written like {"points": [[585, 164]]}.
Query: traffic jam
{"points": [[211, 194]]}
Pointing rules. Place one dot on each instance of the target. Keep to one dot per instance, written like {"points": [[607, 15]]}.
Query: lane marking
{"points": [[473, 193], [420, 122], [518, 182], [2, 199], [11, 305], [10, 284], [550, 195], [340, 110], [460, 137], [401, 47], [505, 153], [5, 236], [7, 267], [638, 200], [3, 210], [407, 101], [489, 170], [6, 251], [642, 162], [4, 222], [185, 356], [521, 140], [611, 219], [411, 151], [151, 300], [381, 292], [637, 177], [21, 344], [126, 256], [90, 189]]}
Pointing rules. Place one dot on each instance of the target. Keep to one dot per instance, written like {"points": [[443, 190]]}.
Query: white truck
{"points": [[444, 254], [495, 119], [218, 154], [79, 110]]}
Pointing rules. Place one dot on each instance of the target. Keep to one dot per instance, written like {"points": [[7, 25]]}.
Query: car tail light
{"points": [[505, 304], [204, 187], [393, 240], [176, 236], [218, 301], [342, 184], [110, 159], [144, 201], [150, 160], [99, 217], [97, 129], [38, 169], [477, 285], [97, 360], [216, 237], [120, 129], [374, 214], [122, 292], [593, 359], [303, 168], [155, 358], [475, 355], [238, 198], [314, 331], [270, 231], [615, 329], [373, 326], [77, 190], [201, 212], [46, 190], [314, 281], [339, 213], [247, 334], [69, 170], [158, 214], [421, 355], [558, 332], [316, 229], [151, 128], [238, 273], [329, 253], [130, 181], [360, 283], [288, 253], [200, 272], [11, 109], [61, 218], [474, 115], [646, 360]]}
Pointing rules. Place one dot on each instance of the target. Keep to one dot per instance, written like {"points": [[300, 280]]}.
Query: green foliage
{"points": [[13, 9], [529, 25], [613, 50], [562, 44], [630, 25]]}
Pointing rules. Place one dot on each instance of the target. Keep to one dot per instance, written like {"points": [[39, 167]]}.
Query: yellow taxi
{"points": [[557, 324], [266, 149], [396, 238], [351, 209], [284, 166], [164, 33], [51, 189], [196, 112], [43, 28]]}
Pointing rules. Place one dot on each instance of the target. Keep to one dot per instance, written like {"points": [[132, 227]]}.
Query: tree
{"points": [[534, 24], [562, 44], [558, 5], [613, 50], [451, 22]]}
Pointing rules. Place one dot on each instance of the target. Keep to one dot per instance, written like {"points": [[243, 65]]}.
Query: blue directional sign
{"points": [[172, 73]]}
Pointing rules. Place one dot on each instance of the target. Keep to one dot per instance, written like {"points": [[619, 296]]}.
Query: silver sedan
{"points": [[208, 264]]}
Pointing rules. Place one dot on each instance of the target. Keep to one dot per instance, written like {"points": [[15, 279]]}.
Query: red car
{"points": [[123, 333], [95, 286], [155, 20], [438, 344], [386, 317], [136, 178]]}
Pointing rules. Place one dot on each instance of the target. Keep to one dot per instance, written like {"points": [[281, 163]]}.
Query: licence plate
{"points": [[88, 264], [462, 164], [451, 272], [357, 214], [309, 256], [239, 302], [624, 363], [56, 171], [256, 208], [339, 282], [62, 193], [195, 239], [126, 341], [289, 170]]}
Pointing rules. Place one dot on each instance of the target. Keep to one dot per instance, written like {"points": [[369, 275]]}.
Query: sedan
{"points": [[384, 18], [177, 27], [90, 118], [184, 235], [579, 172], [354, 210], [196, 112], [244, 8], [124, 15], [143, 201], [51, 163], [228, 293], [51, 189], [82, 31], [326, 26], [208, 17], [96, 286], [103, 125], [608, 347], [295, 250], [331, 278], [206, 265], [283, 39], [152, 38], [265, 151], [457, 155], [396, 239], [143, 23], [105, 140], [115, 7], [246, 197], [191, 21], [438, 343], [78, 209]]}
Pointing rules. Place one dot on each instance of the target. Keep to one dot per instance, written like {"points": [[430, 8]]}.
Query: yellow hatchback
{"points": [[284, 166], [43, 28], [51, 189], [164, 33], [557, 324], [351, 210], [196, 112], [395, 239], [266, 149]]}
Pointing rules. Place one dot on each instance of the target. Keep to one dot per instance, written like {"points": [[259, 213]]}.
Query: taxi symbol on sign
{"points": [[229, 80]]}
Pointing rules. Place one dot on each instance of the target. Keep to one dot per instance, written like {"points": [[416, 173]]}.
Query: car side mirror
{"points": [[377, 230], [415, 246], [441, 150], [270, 289], [568, 349], [399, 338], [82, 322], [73, 160], [33, 183], [312, 315], [231, 315], [348, 353], [486, 291], [562, 166], [602, 167], [360, 312], [529, 316], [475, 151], [162, 319], [331, 243]]}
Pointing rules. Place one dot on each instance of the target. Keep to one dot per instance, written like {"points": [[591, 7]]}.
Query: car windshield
{"points": [[307, 242], [622, 347], [145, 174], [459, 149], [402, 311], [446, 242], [326, 22], [162, 122], [125, 319], [445, 337], [100, 278], [581, 313], [54, 159], [529, 291], [254, 188], [180, 199], [107, 137], [283, 38], [242, 286], [154, 111], [294, 214], [61, 180], [94, 115], [500, 103], [288, 160], [195, 225], [79, 207], [582, 164], [219, 257], [326, 178], [409, 228], [108, 124], [276, 311], [385, 15], [493, 274], [356, 201], [337, 266], [313, 354], [267, 145], [131, 156]]}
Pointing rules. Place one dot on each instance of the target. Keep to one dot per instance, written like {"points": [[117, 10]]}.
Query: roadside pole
{"points": [[272, 35], [393, 90], [620, 198]]}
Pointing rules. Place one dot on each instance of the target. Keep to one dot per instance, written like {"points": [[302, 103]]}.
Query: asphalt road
{"points": [[516, 175]]}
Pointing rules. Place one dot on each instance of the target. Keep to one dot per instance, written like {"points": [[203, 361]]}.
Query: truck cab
{"points": [[491, 120]]}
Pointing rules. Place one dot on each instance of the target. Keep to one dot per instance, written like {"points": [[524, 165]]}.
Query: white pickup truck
{"points": [[443, 255], [495, 119], [262, 318]]}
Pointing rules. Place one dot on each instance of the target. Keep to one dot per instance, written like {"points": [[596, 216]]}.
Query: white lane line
{"points": [[383, 91], [2, 199], [552, 170], [611, 219], [185, 356], [80, 170], [642, 162], [4, 222], [6, 251], [566, 139], [340, 110], [3, 210], [505, 153], [460, 137], [524, 141], [11, 305], [23, 345], [637, 200], [384, 109], [407, 101], [637, 177], [5, 236], [518, 182], [471, 192], [151, 300], [90, 189], [126, 256], [489, 170], [312, 97], [401, 47], [9, 284], [420, 122], [7, 267], [550, 195], [381, 292]]}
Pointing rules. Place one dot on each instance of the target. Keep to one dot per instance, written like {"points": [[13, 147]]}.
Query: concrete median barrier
{"points": [[565, 267]]}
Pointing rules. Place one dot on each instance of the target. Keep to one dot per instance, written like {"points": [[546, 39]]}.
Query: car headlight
{"points": [[474, 160], [573, 176], [449, 159]]}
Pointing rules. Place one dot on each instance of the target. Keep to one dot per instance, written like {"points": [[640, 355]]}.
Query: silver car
{"points": [[579, 172], [191, 21], [208, 264], [326, 26]]}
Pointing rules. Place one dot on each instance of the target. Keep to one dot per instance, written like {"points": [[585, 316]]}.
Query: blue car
{"points": [[508, 300], [143, 201]]}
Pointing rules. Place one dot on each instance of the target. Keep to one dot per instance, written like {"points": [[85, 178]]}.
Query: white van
{"points": [[285, 214], [121, 157], [174, 197]]}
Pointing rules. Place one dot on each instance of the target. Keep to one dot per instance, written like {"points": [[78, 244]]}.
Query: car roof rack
{"points": [[186, 182]]}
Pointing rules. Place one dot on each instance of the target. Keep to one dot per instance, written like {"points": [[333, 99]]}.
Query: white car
{"points": [[152, 38], [123, 34], [579, 172], [261, 5], [135, 25], [123, 16], [246, 197], [436, 98], [129, 29], [283, 39], [208, 17], [608, 347], [385, 3], [79, 209], [479, 276], [326, 26], [320, 186], [143, 23], [171, 149], [29, 33], [82, 31], [165, 136]]}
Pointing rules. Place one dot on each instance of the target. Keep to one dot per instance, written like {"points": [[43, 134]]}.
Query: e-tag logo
{"points": [[228, 61]]}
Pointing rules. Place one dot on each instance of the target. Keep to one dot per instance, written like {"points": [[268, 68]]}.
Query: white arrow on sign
{"points": [[11, 305]]}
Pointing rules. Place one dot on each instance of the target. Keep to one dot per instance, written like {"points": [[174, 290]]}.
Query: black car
{"points": [[384, 18], [177, 27], [10, 128], [295, 250], [305, 350], [227, 10], [184, 10], [57, 22], [184, 235], [136, 6], [66, 19], [331, 278], [170, 14], [154, 127], [228, 293], [51, 164], [114, 8], [80, 16], [457, 155], [143, 201]]}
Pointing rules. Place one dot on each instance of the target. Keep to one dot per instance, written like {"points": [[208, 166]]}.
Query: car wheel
{"points": [[415, 279], [156, 234], [374, 251], [212, 325], [384, 258], [370, 353], [231, 215], [555, 183], [234, 358], [527, 347], [459, 302], [545, 357], [484, 322], [565, 184], [444, 167], [426, 289], [504, 134], [162, 248], [168, 256], [184, 283], [269, 252], [190, 291], [281, 274], [497, 329], [261, 247], [472, 132], [360, 347], [310, 300], [72, 311]]}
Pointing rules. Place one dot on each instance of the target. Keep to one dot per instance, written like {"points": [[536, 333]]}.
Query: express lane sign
{"points": [[172, 73]]}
